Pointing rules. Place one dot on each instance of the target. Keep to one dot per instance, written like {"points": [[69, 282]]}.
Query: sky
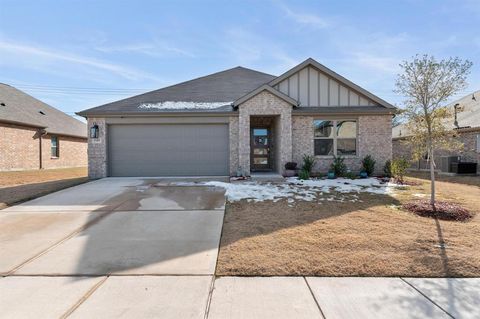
{"points": [[75, 55]]}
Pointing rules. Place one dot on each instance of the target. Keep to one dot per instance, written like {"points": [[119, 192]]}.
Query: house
{"points": [[34, 135], [240, 121], [466, 123]]}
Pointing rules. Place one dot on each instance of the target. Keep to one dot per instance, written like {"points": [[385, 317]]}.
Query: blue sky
{"points": [[79, 54]]}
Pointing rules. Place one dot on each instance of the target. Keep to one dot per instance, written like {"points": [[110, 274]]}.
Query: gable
{"points": [[312, 87]]}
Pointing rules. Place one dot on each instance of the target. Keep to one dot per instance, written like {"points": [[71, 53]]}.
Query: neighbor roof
{"points": [[20, 108], [468, 117], [225, 86]]}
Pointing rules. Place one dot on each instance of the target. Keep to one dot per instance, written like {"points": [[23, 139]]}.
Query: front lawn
{"points": [[19, 186], [351, 234]]}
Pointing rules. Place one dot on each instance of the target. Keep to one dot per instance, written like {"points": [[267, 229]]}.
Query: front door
{"points": [[260, 146]]}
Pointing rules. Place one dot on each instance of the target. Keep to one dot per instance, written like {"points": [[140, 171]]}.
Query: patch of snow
{"points": [[294, 189], [179, 105]]}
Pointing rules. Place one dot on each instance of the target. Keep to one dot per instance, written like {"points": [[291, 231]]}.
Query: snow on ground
{"points": [[178, 105], [294, 189]]}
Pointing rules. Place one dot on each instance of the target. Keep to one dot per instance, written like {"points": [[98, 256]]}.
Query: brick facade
{"points": [[97, 150], [469, 152], [374, 137], [265, 104], [293, 137], [20, 149]]}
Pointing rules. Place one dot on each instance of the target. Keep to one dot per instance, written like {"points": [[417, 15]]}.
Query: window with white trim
{"points": [[335, 137]]}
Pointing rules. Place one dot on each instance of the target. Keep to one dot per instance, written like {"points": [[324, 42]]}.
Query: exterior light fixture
{"points": [[94, 131]]}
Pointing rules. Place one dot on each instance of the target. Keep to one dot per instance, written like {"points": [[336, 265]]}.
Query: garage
{"points": [[168, 149]]}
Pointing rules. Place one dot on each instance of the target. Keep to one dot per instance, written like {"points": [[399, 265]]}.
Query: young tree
{"points": [[427, 84]]}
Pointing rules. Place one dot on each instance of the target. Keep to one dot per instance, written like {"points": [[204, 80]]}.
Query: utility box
{"points": [[446, 163]]}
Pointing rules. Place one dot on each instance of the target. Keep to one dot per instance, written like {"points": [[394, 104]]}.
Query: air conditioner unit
{"points": [[446, 163]]}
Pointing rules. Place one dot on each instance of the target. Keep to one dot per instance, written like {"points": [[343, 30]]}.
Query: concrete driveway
{"points": [[115, 226]]}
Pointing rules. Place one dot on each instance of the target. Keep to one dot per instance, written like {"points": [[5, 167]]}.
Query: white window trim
{"points": [[335, 120]]}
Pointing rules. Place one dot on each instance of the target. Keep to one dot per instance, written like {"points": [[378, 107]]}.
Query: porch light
{"points": [[94, 131]]}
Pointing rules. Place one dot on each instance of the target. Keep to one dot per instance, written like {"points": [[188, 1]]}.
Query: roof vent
{"points": [[2, 104], [41, 112]]}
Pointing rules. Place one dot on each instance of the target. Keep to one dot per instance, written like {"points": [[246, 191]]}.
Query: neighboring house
{"points": [[240, 121], [34, 135], [467, 129]]}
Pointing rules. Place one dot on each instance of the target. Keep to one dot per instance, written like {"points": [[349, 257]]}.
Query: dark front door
{"points": [[260, 146]]}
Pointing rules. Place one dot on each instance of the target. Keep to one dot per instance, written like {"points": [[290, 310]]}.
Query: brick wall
{"points": [[265, 104], [401, 148], [72, 152], [374, 138], [20, 149], [97, 150], [233, 131]]}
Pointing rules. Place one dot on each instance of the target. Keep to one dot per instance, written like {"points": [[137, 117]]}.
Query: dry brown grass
{"points": [[20, 186], [369, 238]]}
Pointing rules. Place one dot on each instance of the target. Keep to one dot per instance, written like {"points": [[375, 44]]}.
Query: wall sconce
{"points": [[94, 131]]}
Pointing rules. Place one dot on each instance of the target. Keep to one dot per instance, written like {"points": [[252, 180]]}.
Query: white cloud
{"points": [[307, 19], [153, 49], [44, 58], [253, 50]]}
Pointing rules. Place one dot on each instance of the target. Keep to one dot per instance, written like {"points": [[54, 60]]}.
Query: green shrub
{"points": [[308, 162], [387, 169], [398, 168], [368, 164], [351, 175], [338, 166], [304, 175]]}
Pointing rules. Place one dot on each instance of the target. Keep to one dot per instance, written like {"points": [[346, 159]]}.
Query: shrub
{"points": [[304, 175], [387, 169], [308, 162], [351, 175], [338, 166], [398, 167], [291, 166], [368, 164]]}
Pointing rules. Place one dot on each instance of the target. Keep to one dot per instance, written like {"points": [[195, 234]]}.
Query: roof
{"points": [[268, 88], [225, 86], [468, 117], [20, 108], [217, 93], [334, 75], [343, 110]]}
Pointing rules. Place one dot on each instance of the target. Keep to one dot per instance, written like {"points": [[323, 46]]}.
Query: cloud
{"points": [[307, 19], [251, 49], [153, 49], [42, 57]]}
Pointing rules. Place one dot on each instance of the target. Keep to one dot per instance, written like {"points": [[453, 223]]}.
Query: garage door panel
{"points": [[168, 150]]}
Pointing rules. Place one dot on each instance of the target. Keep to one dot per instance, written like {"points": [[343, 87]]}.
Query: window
{"points": [[54, 146], [337, 137]]}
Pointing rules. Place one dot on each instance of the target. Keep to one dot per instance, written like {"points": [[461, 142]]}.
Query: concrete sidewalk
{"points": [[237, 297]]}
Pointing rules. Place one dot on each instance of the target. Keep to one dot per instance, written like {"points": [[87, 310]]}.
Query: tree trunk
{"points": [[432, 178]]}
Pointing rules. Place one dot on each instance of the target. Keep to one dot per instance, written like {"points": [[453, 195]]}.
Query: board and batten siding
{"points": [[312, 87]]}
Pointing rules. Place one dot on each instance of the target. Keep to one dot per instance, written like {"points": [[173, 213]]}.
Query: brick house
{"points": [[34, 135], [467, 128], [240, 121]]}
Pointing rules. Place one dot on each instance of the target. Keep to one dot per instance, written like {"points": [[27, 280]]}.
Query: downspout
{"points": [[41, 133]]}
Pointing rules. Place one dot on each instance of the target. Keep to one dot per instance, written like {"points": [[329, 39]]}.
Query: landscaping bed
{"points": [[356, 233]]}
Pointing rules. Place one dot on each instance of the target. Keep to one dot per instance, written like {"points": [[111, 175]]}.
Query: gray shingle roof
{"points": [[224, 86], [469, 117], [19, 107]]}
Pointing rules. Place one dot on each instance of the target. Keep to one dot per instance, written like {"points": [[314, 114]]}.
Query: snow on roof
{"points": [[179, 105]]}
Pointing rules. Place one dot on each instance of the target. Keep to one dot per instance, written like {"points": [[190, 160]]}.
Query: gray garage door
{"points": [[168, 150]]}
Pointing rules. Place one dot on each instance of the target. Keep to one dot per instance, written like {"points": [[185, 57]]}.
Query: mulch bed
{"points": [[441, 210]]}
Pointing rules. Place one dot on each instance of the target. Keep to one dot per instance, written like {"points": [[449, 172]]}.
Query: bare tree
{"points": [[427, 85]]}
